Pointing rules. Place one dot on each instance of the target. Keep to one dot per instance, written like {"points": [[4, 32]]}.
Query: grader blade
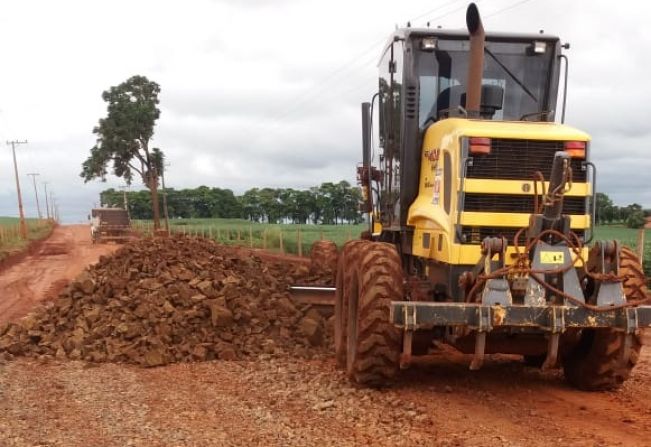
{"points": [[322, 298]]}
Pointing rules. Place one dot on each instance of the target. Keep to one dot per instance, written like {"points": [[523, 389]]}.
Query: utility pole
{"points": [[52, 206], [167, 217], [38, 205], [47, 206], [23, 224]]}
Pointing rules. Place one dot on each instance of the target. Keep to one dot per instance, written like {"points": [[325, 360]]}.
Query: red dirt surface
{"points": [[46, 271], [292, 402]]}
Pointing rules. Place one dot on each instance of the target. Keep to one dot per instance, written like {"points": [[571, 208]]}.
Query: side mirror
{"points": [[492, 100]]}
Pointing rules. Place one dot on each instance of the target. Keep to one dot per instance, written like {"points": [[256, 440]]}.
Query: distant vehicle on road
{"points": [[110, 224]]}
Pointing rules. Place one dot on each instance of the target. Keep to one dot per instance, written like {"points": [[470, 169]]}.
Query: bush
{"points": [[636, 219]]}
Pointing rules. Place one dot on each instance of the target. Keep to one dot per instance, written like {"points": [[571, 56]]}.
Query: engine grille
{"points": [[518, 160], [503, 203], [474, 235]]}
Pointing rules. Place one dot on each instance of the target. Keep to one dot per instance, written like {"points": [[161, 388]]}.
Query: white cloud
{"points": [[267, 93]]}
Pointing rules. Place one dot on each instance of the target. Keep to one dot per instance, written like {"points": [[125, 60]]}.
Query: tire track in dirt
{"points": [[43, 274]]}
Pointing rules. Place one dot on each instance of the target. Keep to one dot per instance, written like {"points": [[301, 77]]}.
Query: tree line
{"points": [[329, 203], [633, 215]]}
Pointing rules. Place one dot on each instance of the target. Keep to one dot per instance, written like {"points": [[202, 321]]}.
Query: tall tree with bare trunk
{"points": [[123, 137]]}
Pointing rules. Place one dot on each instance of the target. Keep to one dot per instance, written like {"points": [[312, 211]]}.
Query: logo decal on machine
{"points": [[433, 154]]}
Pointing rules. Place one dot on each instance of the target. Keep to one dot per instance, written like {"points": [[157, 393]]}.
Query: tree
{"points": [[635, 218], [604, 208], [251, 205], [123, 137], [328, 203]]}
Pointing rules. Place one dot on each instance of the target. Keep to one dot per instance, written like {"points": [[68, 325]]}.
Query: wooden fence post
{"points": [[280, 238], [250, 236], [299, 242], [264, 239], [640, 245]]}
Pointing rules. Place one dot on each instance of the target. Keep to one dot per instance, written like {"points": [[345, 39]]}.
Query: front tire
{"points": [[348, 259], [373, 344], [594, 364]]}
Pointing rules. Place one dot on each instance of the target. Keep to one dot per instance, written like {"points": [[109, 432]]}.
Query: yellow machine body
{"points": [[434, 221]]}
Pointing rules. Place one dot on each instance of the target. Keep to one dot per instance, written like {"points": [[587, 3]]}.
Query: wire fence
{"points": [[292, 239], [298, 239]]}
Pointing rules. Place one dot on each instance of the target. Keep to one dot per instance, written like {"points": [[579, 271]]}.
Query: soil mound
{"points": [[163, 300]]}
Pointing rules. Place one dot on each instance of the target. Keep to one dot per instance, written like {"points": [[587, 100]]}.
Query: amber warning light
{"points": [[479, 146], [575, 149]]}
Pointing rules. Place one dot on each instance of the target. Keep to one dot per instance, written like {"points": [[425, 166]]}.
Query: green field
{"points": [[627, 236], [259, 235], [10, 241], [238, 231]]}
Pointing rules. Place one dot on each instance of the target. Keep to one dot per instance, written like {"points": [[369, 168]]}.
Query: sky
{"points": [[261, 93]]}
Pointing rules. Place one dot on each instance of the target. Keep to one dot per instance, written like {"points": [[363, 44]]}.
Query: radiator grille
{"points": [[518, 160], [505, 203]]}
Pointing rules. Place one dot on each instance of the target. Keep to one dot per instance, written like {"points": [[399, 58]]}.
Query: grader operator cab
{"points": [[481, 209]]}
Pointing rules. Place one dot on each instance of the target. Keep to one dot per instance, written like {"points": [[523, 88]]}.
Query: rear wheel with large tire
{"points": [[348, 258], [373, 344], [595, 363]]}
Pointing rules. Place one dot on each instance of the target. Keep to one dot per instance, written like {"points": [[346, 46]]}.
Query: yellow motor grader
{"points": [[481, 206]]}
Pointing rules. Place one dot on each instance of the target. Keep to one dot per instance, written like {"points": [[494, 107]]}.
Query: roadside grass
{"points": [[10, 240]]}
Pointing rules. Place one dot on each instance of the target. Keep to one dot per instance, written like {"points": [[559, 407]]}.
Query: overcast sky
{"points": [[266, 93]]}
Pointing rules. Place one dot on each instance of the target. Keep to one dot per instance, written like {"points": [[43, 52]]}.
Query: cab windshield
{"points": [[521, 69]]}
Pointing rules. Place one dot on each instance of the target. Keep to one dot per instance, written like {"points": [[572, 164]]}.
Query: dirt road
{"points": [[288, 401], [43, 274], [307, 403]]}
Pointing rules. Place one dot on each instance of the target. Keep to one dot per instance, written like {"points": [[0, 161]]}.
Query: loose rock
{"points": [[164, 300]]}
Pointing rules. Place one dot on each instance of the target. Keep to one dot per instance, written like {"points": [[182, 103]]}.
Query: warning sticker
{"points": [[552, 257]]}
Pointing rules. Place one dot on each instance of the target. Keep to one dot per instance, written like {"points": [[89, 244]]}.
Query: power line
{"points": [[514, 5], [352, 63], [309, 99], [433, 10], [322, 91]]}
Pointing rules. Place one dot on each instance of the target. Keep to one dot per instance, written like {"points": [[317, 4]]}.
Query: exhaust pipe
{"points": [[476, 63], [364, 174]]}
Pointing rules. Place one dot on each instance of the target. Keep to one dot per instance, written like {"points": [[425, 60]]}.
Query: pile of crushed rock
{"points": [[164, 300]]}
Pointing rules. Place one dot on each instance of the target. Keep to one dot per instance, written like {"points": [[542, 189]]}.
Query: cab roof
{"points": [[407, 33]]}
